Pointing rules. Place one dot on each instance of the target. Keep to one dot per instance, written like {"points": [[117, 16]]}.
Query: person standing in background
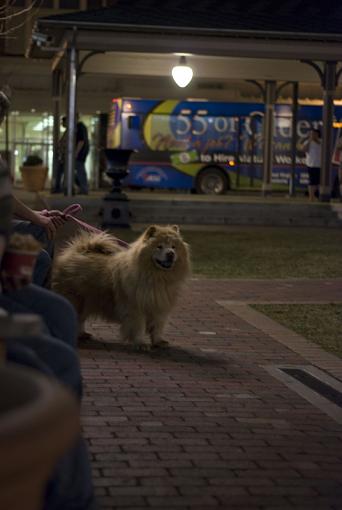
{"points": [[81, 153], [312, 147], [61, 159]]}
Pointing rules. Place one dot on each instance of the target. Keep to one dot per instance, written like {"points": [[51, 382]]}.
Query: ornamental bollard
{"points": [[116, 203]]}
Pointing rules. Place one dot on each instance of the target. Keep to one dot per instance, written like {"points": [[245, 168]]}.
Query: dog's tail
{"points": [[102, 243]]}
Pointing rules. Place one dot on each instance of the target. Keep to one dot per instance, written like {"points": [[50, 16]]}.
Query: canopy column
{"points": [[329, 86], [292, 181], [56, 99], [270, 99], [329, 77], [71, 117]]}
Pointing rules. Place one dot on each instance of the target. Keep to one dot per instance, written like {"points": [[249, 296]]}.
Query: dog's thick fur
{"points": [[136, 287]]}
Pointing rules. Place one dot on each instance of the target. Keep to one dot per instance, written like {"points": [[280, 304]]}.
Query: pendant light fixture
{"points": [[182, 73]]}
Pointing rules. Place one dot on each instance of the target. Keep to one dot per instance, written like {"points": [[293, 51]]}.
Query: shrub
{"points": [[32, 160]]}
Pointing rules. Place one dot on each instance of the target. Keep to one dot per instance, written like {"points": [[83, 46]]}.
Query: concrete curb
{"points": [[293, 341]]}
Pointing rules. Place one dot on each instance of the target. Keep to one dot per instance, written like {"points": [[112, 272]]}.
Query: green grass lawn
{"points": [[322, 324], [263, 252]]}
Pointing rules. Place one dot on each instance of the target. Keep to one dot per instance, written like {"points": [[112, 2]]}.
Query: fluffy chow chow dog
{"points": [[136, 287]]}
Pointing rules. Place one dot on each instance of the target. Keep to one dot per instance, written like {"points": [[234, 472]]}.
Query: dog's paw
{"points": [[85, 337], [141, 347], [160, 344]]}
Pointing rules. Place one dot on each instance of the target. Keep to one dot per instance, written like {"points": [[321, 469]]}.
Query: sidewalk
{"points": [[208, 423]]}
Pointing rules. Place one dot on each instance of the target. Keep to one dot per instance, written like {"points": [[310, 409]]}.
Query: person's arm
{"points": [[61, 146], [79, 147], [81, 136], [49, 223], [305, 145], [25, 213]]}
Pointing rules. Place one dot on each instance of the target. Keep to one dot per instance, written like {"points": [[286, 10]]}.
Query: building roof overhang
{"points": [[215, 43], [130, 28]]}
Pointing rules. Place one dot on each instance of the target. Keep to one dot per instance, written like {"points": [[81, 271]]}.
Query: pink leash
{"points": [[72, 209]]}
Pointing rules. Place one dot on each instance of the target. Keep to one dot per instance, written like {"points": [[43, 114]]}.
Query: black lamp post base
{"points": [[115, 203], [116, 211]]}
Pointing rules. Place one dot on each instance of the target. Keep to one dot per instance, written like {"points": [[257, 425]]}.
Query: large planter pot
{"points": [[39, 421], [34, 177]]}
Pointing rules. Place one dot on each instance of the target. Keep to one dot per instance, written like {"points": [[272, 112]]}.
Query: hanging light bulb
{"points": [[182, 74]]}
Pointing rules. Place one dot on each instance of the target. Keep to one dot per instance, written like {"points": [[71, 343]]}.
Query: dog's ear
{"points": [[150, 231], [176, 228]]}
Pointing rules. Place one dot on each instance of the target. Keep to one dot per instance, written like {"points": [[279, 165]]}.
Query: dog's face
{"points": [[165, 246]]}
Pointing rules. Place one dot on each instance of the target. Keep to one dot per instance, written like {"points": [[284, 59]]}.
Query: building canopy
{"points": [[259, 28]]}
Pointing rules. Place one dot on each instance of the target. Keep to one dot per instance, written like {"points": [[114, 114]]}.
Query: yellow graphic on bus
{"points": [[157, 129]]}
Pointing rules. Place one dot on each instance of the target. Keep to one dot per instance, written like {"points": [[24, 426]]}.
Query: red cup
{"points": [[18, 264]]}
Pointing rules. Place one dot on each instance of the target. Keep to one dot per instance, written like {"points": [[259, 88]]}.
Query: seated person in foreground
{"points": [[52, 353]]}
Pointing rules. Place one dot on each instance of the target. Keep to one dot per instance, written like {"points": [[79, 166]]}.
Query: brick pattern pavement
{"points": [[202, 424]]}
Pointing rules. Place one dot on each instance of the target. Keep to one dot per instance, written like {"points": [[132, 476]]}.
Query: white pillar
{"points": [[329, 86], [270, 97], [56, 99], [71, 119]]}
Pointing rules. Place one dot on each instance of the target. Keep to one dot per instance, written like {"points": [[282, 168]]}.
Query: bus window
{"points": [[133, 122]]}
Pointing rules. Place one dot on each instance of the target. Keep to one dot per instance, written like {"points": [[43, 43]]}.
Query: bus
{"points": [[207, 147]]}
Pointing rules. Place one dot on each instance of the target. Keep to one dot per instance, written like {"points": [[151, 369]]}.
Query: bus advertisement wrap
{"points": [[208, 146]]}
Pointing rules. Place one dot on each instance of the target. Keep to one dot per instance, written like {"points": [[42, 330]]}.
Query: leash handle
{"points": [[72, 209]]}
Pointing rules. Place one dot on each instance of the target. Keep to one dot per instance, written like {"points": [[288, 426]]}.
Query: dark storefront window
{"points": [[69, 4], [95, 4]]}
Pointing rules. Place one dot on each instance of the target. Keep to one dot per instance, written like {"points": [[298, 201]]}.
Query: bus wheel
{"points": [[211, 181]]}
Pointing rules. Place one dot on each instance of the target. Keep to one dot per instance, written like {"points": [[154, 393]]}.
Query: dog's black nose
{"points": [[170, 255]]}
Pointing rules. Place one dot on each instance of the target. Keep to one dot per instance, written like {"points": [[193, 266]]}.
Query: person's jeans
{"points": [[81, 176], [70, 487], [47, 355], [59, 178], [43, 265], [56, 312], [38, 232]]}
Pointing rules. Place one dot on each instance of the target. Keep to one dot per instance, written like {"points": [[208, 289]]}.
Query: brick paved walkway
{"points": [[203, 424]]}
